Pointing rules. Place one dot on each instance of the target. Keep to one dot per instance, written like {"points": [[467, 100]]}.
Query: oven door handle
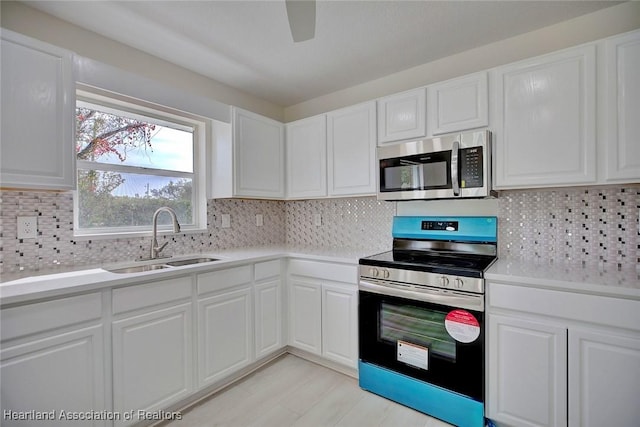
{"points": [[470, 302]]}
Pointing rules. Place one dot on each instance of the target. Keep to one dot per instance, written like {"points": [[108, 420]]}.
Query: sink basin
{"points": [[139, 268], [161, 265], [190, 261]]}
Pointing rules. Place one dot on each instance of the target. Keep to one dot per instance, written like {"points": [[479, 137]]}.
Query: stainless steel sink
{"points": [[139, 268], [190, 261]]}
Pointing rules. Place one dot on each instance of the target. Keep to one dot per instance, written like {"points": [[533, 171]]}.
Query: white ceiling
{"points": [[247, 44]]}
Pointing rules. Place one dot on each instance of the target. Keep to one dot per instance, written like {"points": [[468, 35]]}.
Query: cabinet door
{"points": [[61, 372], [305, 327], [351, 139], [623, 108], [340, 323], [545, 121], [307, 158], [604, 379], [224, 334], [268, 311], [152, 360], [258, 155], [458, 104], [38, 114], [527, 372], [402, 116]]}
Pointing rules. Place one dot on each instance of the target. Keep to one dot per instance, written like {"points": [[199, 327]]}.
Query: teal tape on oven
{"points": [[446, 405], [463, 228]]}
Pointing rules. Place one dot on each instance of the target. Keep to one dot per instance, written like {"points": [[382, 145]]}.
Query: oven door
{"points": [[436, 343]]}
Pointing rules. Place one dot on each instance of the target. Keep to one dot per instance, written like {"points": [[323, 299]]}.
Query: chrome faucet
{"points": [[155, 249]]}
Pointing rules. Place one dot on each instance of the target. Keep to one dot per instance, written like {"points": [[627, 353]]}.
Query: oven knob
{"points": [[444, 281], [458, 283], [374, 272], [385, 274]]}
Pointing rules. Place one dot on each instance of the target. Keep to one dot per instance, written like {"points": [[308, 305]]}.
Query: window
{"points": [[131, 159]]}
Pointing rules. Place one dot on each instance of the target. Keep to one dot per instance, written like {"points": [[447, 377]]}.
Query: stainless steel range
{"points": [[421, 316]]}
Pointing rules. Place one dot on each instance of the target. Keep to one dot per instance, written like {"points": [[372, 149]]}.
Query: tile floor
{"points": [[294, 392]]}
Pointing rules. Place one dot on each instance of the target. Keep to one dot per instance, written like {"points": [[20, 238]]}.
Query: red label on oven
{"points": [[462, 326]]}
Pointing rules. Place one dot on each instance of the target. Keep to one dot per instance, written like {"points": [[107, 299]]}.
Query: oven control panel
{"points": [[439, 225], [422, 278]]}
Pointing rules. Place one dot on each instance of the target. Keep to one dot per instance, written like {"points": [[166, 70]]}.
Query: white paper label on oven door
{"points": [[462, 326], [413, 354]]}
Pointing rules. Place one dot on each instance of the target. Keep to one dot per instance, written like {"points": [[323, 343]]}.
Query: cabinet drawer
{"points": [[150, 294], [44, 316], [603, 310], [324, 270], [268, 269], [224, 279]]}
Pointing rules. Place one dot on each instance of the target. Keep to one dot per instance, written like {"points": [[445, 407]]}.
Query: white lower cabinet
{"points": [[559, 358], [52, 361], [152, 346], [323, 309], [528, 371], [340, 323], [152, 360], [268, 308], [224, 334], [60, 374], [604, 378], [225, 323], [305, 318]]}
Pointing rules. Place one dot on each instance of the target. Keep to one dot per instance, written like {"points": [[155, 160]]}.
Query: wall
{"points": [[34, 23], [606, 22]]}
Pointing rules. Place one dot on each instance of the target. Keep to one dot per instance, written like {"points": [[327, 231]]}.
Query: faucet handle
{"points": [[159, 249]]}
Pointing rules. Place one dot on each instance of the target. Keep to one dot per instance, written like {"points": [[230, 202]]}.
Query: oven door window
{"points": [[411, 337], [420, 172], [416, 326]]}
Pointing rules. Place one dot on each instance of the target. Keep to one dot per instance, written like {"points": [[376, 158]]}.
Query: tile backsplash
{"points": [[347, 223], [56, 245], [355, 223], [595, 225]]}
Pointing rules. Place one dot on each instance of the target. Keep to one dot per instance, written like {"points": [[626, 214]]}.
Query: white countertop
{"points": [[28, 286], [568, 277]]}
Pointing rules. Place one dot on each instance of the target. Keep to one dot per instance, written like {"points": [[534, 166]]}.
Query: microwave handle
{"points": [[455, 182]]}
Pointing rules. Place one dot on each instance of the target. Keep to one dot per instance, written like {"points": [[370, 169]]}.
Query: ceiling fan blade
{"points": [[302, 19]]}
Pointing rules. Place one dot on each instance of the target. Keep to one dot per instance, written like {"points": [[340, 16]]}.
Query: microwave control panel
{"points": [[471, 167]]}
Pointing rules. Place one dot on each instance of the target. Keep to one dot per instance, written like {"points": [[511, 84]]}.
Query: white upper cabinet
{"points": [[458, 104], [402, 116], [38, 114], [351, 143], [307, 157], [545, 123], [258, 156], [622, 108]]}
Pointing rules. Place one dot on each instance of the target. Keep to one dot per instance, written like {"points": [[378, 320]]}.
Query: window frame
{"points": [[132, 107]]}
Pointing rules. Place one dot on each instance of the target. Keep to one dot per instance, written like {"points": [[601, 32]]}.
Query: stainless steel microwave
{"points": [[447, 167]]}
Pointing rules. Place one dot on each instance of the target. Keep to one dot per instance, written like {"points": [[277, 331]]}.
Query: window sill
{"points": [[135, 234]]}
